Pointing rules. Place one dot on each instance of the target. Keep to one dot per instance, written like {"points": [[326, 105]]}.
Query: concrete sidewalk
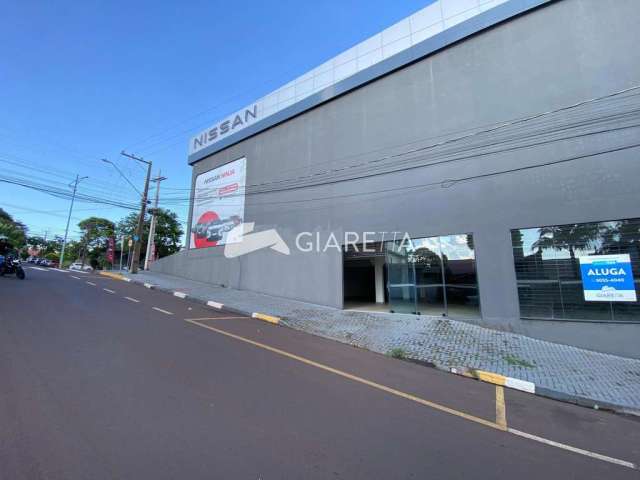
{"points": [[558, 371]]}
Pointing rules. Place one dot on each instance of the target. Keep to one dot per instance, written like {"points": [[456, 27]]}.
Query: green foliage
{"points": [[168, 232], [96, 233], [52, 256], [398, 353], [45, 247], [15, 231], [517, 362]]}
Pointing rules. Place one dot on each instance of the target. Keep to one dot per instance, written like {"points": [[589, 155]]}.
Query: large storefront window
{"points": [[584, 271], [433, 276]]}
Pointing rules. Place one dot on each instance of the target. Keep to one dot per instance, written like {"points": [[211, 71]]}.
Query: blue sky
{"points": [[81, 81]]}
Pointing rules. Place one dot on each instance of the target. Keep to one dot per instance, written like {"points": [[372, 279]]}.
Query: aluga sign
{"points": [[607, 278]]}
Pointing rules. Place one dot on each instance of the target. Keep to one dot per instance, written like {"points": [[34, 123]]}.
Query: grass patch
{"points": [[397, 353], [518, 362]]}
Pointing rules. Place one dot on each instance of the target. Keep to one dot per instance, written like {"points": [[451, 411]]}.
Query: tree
{"points": [[168, 232], [577, 236], [14, 230], [45, 248], [95, 235]]}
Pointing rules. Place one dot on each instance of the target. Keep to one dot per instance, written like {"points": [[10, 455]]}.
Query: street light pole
{"points": [[66, 230], [154, 219], [136, 246]]}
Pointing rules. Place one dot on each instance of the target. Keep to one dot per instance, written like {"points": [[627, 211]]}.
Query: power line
{"points": [[475, 151], [60, 193], [580, 120]]}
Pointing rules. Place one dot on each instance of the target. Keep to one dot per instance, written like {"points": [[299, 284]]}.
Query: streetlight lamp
{"points": [[122, 175]]}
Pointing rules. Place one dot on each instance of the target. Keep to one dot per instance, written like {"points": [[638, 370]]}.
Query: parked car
{"points": [[78, 266], [200, 230]]}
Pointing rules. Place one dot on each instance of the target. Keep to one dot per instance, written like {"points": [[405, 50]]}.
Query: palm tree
{"points": [[570, 237]]}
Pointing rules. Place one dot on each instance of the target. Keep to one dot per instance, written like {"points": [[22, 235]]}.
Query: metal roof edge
{"points": [[412, 54]]}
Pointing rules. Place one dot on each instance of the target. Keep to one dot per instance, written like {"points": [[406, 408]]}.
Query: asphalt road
{"points": [[97, 385]]}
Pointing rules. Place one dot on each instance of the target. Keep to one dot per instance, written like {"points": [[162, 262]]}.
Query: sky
{"points": [[82, 81]]}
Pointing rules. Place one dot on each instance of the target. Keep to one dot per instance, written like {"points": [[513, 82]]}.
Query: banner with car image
{"points": [[218, 204]]}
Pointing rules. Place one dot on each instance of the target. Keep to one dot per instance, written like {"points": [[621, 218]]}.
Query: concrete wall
{"points": [[554, 56]]}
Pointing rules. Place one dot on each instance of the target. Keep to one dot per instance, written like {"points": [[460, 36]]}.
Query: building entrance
{"points": [[364, 280]]}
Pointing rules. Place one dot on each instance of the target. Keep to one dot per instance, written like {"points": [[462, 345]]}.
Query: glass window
{"points": [[549, 260], [400, 276], [427, 259], [460, 280], [433, 276]]}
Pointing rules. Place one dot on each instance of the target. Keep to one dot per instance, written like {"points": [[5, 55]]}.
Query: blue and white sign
{"points": [[607, 278]]}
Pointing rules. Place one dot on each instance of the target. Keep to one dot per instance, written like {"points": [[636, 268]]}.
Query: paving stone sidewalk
{"points": [[559, 371]]}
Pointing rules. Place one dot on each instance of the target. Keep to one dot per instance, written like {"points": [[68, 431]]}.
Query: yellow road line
{"points": [[501, 408], [427, 403], [354, 378]]}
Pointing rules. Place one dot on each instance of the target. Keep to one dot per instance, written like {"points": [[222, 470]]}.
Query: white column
{"points": [[379, 271]]}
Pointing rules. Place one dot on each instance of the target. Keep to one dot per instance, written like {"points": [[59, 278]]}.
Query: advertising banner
{"points": [[607, 278], [218, 204], [111, 247]]}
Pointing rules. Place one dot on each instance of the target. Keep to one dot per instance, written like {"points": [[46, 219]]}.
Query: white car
{"points": [[78, 266]]}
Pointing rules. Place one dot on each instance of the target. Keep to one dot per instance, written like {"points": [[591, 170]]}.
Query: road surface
{"points": [[103, 379]]}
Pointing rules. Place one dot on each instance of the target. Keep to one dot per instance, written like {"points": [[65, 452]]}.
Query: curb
{"points": [[266, 318], [495, 378], [530, 387], [481, 375], [209, 303], [115, 276]]}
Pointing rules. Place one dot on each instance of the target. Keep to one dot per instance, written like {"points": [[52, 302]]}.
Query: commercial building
{"points": [[501, 137]]}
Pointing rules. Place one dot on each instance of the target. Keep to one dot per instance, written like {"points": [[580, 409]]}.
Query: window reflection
{"points": [[548, 269], [461, 285], [433, 276]]}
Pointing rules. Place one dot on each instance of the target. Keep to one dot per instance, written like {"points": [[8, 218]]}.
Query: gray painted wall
{"points": [[554, 56]]}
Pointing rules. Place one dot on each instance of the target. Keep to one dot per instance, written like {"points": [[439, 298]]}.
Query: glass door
{"points": [[430, 295], [400, 277]]}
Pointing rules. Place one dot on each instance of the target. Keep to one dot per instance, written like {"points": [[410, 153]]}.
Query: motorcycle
{"points": [[11, 266]]}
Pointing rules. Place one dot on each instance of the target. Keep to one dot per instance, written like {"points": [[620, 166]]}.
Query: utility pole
{"points": [[143, 207], [154, 219], [66, 231]]}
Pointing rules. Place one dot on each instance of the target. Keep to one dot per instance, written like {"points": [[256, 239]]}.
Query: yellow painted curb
{"points": [[489, 377], [116, 276], [266, 318]]}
